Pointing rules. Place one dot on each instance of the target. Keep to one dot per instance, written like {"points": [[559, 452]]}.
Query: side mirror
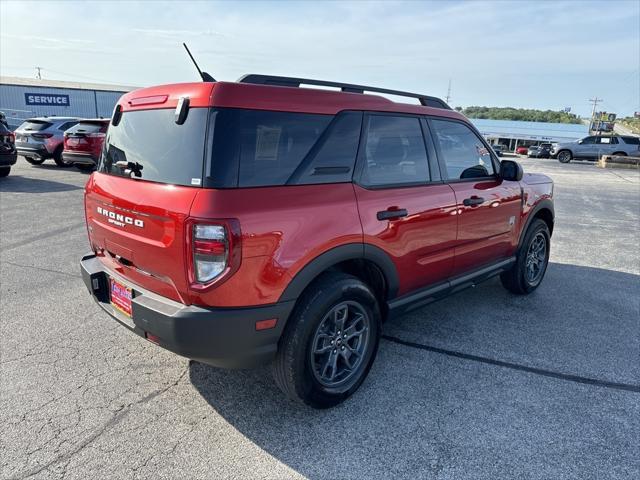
{"points": [[580, 142], [510, 170]]}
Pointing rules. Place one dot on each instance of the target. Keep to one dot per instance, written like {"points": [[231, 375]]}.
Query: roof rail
{"points": [[258, 79]]}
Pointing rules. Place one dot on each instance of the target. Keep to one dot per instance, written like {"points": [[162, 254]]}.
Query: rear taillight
{"points": [[42, 135], [214, 250], [12, 137]]}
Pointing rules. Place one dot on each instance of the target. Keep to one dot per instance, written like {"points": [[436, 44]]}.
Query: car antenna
{"points": [[204, 75]]}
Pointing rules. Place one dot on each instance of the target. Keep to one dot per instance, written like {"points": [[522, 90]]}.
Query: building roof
{"points": [[34, 82], [530, 130]]}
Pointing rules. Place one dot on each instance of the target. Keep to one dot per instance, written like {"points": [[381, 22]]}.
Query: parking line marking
{"points": [[514, 366]]}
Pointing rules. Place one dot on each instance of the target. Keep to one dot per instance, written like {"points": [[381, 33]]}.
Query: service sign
{"points": [[48, 99]]}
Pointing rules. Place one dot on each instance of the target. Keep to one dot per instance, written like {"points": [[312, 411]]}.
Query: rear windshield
{"points": [[89, 127], [149, 145], [35, 125]]}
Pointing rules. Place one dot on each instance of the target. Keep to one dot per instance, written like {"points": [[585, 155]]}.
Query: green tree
{"points": [[521, 114]]}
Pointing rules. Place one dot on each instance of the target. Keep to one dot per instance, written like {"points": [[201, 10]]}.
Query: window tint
{"points": [[261, 147], [89, 127], [631, 140], [463, 152], [394, 152], [66, 125], [333, 157], [588, 140], [35, 125], [149, 145]]}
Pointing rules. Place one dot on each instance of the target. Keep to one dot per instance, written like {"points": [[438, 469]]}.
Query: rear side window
{"points": [[149, 145], [394, 152], [261, 148], [35, 125], [631, 140], [464, 154]]}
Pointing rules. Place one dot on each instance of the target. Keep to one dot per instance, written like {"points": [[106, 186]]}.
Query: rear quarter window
{"points": [[254, 148]]}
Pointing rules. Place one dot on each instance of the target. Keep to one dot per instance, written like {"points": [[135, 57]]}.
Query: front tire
{"points": [[531, 261], [4, 171], [564, 156], [330, 341]]}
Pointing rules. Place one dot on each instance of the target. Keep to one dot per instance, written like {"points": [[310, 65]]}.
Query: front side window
{"points": [[588, 140], [394, 152], [464, 154]]}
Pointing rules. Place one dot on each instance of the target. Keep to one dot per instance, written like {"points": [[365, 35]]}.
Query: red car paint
{"points": [[284, 228]]}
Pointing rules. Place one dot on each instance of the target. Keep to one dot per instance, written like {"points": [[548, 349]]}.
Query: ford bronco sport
{"points": [[255, 222]]}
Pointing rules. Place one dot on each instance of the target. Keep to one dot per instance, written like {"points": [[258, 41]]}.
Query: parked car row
{"points": [[69, 141]]}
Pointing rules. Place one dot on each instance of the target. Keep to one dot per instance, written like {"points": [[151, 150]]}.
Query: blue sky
{"points": [[544, 54]]}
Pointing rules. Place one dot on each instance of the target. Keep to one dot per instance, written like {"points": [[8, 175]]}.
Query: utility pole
{"points": [[595, 102], [448, 93], [38, 75]]}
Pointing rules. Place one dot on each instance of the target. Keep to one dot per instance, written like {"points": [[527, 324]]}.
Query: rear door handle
{"points": [[473, 201], [391, 214]]}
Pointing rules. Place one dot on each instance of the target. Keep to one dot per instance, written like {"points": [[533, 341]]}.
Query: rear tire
{"points": [[4, 171], [531, 260], [564, 156], [57, 157], [34, 161], [330, 341]]}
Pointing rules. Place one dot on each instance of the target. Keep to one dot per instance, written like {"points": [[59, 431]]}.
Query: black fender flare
{"points": [[545, 204], [350, 251]]}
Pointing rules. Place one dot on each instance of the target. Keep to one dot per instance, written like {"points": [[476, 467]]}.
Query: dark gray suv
{"points": [[38, 139], [593, 147]]}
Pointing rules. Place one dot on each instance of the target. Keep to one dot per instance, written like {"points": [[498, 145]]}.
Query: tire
{"points": [[57, 157], [519, 279], [34, 161], [564, 156], [83, 167], [307, 368], [4, 171]]}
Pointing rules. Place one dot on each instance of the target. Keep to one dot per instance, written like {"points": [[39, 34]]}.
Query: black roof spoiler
{"points": [[258, 79]]}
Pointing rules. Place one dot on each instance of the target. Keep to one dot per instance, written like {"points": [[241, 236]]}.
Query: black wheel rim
{"points": [[340, 344], [536, 258]]}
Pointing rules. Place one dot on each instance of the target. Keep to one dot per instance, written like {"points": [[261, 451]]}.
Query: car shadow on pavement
{"points": [[20, 184], [421, 413]]}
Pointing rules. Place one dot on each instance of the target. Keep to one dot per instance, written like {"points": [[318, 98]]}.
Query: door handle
{"points": [[473, 201], [391, 214]]}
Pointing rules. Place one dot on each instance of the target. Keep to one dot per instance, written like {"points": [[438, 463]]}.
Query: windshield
{"points": [[149, 145]]}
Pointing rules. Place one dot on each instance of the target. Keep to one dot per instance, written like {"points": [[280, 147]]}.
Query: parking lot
{"points": [[483, 384]]}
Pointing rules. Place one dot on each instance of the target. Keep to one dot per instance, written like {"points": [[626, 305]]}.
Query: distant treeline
{"points": [[523, 114]]}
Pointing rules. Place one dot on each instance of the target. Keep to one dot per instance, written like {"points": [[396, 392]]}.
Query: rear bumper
{"points": [[36, 151], [8, 159], [223, 337], [76, 157]]}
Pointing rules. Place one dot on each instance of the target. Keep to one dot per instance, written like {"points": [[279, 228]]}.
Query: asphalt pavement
{"points": [[482, 385]]}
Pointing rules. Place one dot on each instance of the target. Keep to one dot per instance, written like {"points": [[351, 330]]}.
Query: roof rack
{"points": [[258, 79]]}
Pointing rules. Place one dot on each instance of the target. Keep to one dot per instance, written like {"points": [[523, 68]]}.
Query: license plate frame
{"points": [[120, 297]]}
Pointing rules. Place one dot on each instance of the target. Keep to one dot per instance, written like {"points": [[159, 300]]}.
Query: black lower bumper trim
{"points": [[81, 158], [8, 159], [223, 337]]}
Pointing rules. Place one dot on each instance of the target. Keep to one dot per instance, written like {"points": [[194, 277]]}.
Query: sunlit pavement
{"points": [[481, 385]]}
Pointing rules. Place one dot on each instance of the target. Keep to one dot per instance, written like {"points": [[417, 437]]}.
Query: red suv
{"points": [[83, 143], [239, 224]]}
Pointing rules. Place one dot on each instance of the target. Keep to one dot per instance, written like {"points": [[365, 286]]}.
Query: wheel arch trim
{"points": [[342, 253], [545, 204]]}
